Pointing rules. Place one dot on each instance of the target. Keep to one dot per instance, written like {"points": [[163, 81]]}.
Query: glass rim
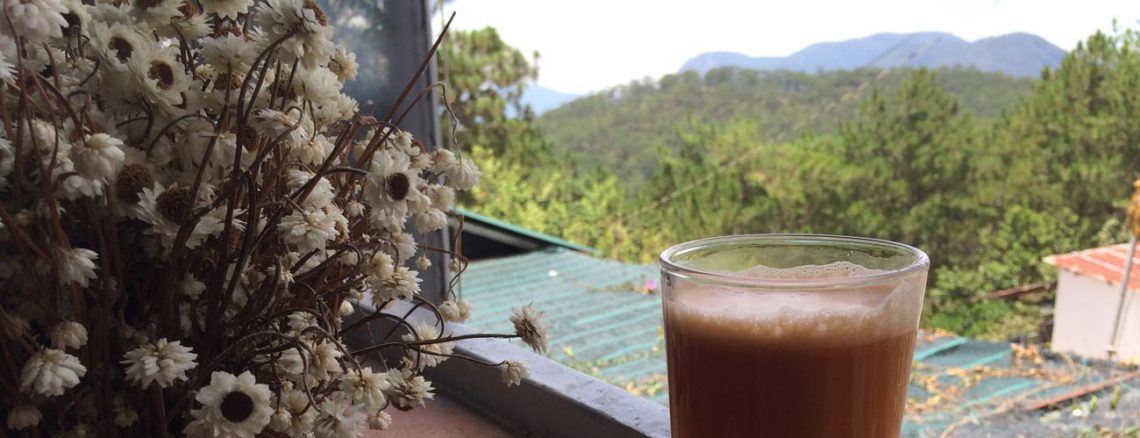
{"points": [[665, 261]]}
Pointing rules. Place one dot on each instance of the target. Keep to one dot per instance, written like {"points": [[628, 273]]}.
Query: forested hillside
{"points": [[621, 129]]}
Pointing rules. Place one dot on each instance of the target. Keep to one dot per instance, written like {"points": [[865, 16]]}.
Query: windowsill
{"points": [[554, 401], [442, 418]]}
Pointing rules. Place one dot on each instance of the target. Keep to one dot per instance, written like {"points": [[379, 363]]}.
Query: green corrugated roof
{"points": [[525, 232], [602, 324], [599, 321]]}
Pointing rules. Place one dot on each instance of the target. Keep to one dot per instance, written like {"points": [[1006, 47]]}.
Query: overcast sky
{"points": [[589, 45]]}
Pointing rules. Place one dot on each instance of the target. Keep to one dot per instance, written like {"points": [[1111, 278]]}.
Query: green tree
{"points": [[1011, 253], [1075, 143], [709, 187], [524, 182], [487, 78]]}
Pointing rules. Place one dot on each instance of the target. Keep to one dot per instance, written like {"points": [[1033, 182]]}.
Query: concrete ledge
{"points": [[555, 401]]}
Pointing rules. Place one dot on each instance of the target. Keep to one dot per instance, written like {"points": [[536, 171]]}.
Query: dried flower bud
{"points": [[529, 327], [68, 334], [23, 416], [450, 311], [125, 417], [422, 262], [379, 421], [514, 372]]}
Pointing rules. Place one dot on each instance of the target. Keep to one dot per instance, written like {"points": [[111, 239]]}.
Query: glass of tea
{"points": [[790, 335]]}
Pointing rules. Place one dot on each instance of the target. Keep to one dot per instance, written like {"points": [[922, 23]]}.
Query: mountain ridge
{"points": [[1015, 54]]}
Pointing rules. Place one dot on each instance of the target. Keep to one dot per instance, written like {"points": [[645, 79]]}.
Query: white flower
{"points": [[380, 421], [323, 363], [529, 327], [442, 197], [390, 182], [68, 334], [405, 246], [115, 44], [157, 77], [36, 20], [322, 194], [228, 53], [275, 124], [191, 287], [165, 209], [464, 175], [22, 416], [281, 420], [312, 151], [340, 106], [365, 388], [388, 217], [49, 371], [227, 8], [125, 417], [319, 86], [514, 372], [339, 419], [77, 266], [232, 406], [407, 391], [75, 186], [426, 355], [310, 44], [353, 209], [162, 362], [310, 229], [301, 415], [455, 311], [299, 321], [442, 160], [430, 220], [191, 28], [379, 267], [343, 63], [346, 308], [423, 263], [403, 283], [100, 156]]}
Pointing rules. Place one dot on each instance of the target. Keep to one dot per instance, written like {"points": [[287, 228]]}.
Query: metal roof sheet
{"points": [[515, 229], [1106, 264]]}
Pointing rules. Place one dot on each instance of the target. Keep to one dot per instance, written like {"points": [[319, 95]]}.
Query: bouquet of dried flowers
{"points": [[189, 209]]}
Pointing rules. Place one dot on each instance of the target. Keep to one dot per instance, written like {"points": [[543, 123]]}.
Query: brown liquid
{"points": [[725, 380]]}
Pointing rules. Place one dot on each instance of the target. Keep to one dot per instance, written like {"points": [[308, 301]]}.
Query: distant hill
{"points": [[542, 99], [1015, 54], [620, 128]]}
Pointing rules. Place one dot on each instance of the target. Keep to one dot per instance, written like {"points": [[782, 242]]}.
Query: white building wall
{"points": [[1129, 348], [1084, 314]]}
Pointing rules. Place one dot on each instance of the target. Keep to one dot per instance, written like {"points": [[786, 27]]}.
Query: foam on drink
{"points": [[840, 316]]}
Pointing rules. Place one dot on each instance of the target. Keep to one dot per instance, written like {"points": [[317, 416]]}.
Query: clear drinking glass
{"points": [[789, 335]]}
